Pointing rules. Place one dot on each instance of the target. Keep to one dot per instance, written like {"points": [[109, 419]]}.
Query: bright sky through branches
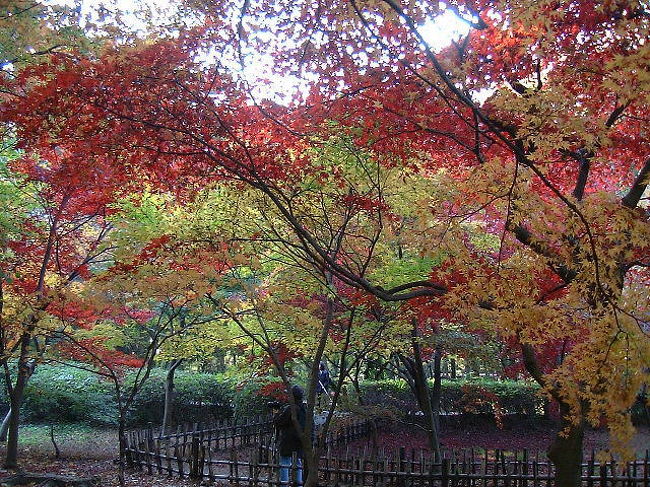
{"points": [[438, 33]]}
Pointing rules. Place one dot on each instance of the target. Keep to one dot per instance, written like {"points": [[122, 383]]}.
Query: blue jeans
{"points": [[285, 466]]}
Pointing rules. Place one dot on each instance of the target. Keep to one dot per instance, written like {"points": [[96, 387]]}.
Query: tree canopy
{"points": [[498, 181]]}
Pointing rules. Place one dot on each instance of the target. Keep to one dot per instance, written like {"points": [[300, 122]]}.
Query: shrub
{"points": [[198, 397], [391, 394], [514, 397], [460, 397], [66, 394], [252, 397]]}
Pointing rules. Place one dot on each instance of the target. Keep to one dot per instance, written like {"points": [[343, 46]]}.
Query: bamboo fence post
{"points": [[158, 455], [590, 469], [236, 460], [201, 469], [168, 459], [603, 475], [194, 457], [485, 467], [445, 473], [179, 460], [210, 470]]}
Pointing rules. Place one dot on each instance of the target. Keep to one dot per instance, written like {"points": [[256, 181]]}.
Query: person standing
{"points": [[324, 381], [289, 438]]}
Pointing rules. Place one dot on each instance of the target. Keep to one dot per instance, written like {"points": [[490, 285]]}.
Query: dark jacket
{"points": [[288, 437]]}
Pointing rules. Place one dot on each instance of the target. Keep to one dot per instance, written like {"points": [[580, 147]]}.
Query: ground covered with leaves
{"points": [[87, 452], [533, 437]]}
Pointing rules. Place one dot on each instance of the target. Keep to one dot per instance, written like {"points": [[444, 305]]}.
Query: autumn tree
{"points": [[279, 298], [529, 129], [279, 301], [150, 292], [53, 247]]}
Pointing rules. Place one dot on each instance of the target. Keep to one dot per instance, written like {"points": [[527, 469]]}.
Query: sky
{"points": [[438, 33]]}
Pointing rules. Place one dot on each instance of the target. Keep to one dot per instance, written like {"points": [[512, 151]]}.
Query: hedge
{"points": [[67, 394], [251, 398], [64, 394], [460, 397], [198, 397]]}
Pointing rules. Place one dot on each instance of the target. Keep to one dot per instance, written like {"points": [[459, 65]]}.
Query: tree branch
{"points": [[415, 284], [584, 157], [633, 196]]}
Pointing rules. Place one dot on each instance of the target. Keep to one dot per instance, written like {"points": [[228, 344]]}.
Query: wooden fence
{"points": [[468, 468], [220, 435], [190, 454], [231, 433]]}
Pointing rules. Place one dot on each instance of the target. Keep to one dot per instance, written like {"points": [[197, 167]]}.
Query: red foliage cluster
{"points": [[94, 352], [479, 400], [275, 390]]}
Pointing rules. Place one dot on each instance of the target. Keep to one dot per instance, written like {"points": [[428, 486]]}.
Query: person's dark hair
{"points": [[298, 393]]}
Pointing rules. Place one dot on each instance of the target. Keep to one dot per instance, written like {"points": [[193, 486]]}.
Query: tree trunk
{"points": [[4, 427], [566, 451], [436, 393], [169, 394], [310, 468], [423, 395], [11, 457], [25, 370], [121, 434]]}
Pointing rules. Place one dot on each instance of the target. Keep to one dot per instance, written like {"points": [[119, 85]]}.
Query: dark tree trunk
{"points": [[57, 451], [436, 393], [310, 471], [415, 367], [11, 457], [169, 394], [566, 451], [121, 434], [25, 370]]}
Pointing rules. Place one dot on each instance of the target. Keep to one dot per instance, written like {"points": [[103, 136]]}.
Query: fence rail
{"points": [[194, 453], [232, 433], [219, 435]]}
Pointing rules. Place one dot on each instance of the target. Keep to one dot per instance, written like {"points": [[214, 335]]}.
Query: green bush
{"points": [[66, 394], [513, 397], [198, 397], [251, 399], [460, 397], [388, 393]]}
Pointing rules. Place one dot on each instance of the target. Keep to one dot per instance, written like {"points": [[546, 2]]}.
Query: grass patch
{"points": [[75, 441]]}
